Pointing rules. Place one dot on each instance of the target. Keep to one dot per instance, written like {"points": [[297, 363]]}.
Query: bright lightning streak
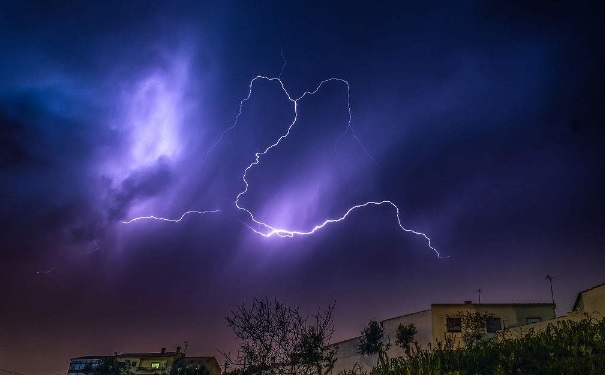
{"points": [[292, 233], [169, 220], [47, 272], [294, 101], [257, 157]]}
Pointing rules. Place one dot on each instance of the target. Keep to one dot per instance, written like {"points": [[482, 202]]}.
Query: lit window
{"points": [[453, 324], [493, 325], [532, 320], [155, 364]]}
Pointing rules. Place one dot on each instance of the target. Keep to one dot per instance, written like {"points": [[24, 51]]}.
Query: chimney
{"points": [[163, 351]]}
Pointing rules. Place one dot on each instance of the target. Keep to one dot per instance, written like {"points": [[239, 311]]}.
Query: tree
{"points": [[180, 367], [473, 326], [405, 336], [275, 338], [373, 341], [108, 366], [311, 351]]}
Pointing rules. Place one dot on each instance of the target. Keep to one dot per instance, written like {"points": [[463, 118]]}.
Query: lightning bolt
{"points": [[269, 230], [151, 217], [291, 233], [45, 272], [272, 231]]}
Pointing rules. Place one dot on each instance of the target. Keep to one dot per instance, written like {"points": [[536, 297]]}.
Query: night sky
{"points": [[482, 123]]}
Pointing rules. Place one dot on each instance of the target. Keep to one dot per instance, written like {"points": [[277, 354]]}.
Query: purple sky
{"points": [[482, 123]]}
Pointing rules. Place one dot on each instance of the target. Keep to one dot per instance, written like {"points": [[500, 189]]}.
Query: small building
{"points": [[155, 363]]}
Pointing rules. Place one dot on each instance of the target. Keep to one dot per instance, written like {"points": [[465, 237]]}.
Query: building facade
{"points": [[150, 363], [445, 320]]}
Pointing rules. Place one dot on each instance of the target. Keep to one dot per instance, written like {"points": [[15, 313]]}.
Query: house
{"points": [[155, 363], [434, 324]]}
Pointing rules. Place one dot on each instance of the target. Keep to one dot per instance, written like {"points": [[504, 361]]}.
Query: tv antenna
{"points": [[479, 291]]}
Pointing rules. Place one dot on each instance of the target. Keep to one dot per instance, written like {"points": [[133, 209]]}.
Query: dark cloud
{"points": [[12, 143], [141, 184]]}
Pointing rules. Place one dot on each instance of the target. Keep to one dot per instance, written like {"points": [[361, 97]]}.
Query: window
{"points": [[76, 366], [453, 324], [155, 364], [493, 325], [532, 320]]}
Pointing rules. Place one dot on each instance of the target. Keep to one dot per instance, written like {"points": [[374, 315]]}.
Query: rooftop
{"points": [[147, 355]]}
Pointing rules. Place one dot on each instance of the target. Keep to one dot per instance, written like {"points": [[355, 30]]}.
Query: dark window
{"points": [[532, 320], [453, 324], [493, 325]]}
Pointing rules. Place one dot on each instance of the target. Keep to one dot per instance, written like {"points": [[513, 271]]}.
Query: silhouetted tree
{"points": [[180, 367], [108, 366], [276, 338], [405, 336], [373, 341], [473, 326]]}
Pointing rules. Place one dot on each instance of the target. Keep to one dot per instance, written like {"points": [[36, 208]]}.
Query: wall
{"points": [[593, 300], [422, 321], [348, 357], [347, 353], [512, 315]]}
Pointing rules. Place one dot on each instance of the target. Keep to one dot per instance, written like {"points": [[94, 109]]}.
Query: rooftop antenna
{"points": [[552, 296], [479, 291]]}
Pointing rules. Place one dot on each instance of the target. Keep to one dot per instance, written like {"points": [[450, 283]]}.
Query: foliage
{"points": [[405, 336], [473, 326], [567, 347], [108, 366], [373, 341], [275, 338], [180, 367]]}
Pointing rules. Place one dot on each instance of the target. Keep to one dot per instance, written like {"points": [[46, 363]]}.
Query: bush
{"points": [[566, 347]]}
